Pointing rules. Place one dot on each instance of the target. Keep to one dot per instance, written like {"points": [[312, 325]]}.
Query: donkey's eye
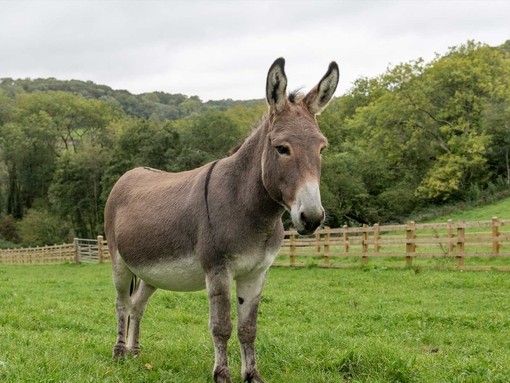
{"points": [[283, 150]]}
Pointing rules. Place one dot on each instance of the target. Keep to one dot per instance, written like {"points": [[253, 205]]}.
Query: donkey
{"points": [[219, 223]]}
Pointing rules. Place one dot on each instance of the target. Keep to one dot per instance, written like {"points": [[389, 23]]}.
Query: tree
{"points": [[40, 227], [210, 136], [75, 193], [141, 143], [29, 154], [70, 118], [40, 128], [422, 133], [343, 191], [453, 94]]}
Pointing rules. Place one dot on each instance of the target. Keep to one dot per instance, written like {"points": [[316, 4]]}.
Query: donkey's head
{"points": [[291, 163]]}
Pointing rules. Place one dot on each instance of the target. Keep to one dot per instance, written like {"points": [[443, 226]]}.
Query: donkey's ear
{"points": [[318, 98], [276, 85]]}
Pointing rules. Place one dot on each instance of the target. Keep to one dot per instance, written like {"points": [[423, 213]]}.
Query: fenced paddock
{"points": [[39, 255], [80, 251], [462, 245]]}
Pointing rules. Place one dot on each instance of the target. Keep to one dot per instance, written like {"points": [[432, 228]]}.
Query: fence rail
{"points": [[91, 250], [450, 244], [453, 244], [38, 255]]}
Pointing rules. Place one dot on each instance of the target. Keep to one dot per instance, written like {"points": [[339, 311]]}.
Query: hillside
{"points": [[500, 209], [159, 106]]}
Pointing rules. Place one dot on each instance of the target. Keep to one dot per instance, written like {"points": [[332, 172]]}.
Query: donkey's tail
{"points": [[135, 282]]}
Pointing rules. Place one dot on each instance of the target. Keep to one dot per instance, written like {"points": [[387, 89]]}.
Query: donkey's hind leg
{"points": [[139, 301], [122, 278]]}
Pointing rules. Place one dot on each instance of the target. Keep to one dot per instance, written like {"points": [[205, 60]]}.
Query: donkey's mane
{"points": [[296, 95]]}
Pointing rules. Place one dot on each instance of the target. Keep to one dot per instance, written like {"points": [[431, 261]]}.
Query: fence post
{"points": [[377, 231], [292, 257], [317, 243], [76, 251], [364, 245], [460, 243], [100, 248], [450, 237], [410, 244], [495, 235], [346, 239], [327, 236]]}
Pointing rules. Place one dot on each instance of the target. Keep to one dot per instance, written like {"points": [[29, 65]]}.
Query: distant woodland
{"points": [[419, 136]]}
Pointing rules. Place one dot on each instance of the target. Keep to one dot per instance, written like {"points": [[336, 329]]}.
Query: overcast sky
{"points": [[223, 49]]}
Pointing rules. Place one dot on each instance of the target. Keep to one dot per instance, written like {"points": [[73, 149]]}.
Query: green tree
{"points": [[343, 191], [424, 132], [40, 227], [6, 108], [40, 128], [75, 193], [29, 154], [452, 94], [141, 143], [210, 136], [72, 119]]}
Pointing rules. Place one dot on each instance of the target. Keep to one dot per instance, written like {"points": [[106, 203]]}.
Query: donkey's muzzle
{"points": [[307, 212], [310, 222]]}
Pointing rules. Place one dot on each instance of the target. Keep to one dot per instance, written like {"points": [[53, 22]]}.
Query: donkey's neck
{"points": [[245, 171]]}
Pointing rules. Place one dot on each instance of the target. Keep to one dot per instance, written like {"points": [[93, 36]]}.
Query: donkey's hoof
{"points": [[252, 377], [222, 375], [118, 351], [134, 351]]}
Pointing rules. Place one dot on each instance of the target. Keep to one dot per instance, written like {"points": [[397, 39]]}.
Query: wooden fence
{"points": [[91, 250], [80, 251], [461, 245], [38, 255]]}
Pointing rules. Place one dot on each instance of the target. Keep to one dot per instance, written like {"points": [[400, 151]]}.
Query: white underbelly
{"points": [[184, 274], [187, 274]]}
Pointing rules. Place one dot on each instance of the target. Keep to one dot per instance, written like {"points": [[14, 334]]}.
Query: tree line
{"points": [[418, 135]]}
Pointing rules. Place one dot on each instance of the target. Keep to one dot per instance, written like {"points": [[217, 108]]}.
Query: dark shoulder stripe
{"points": [[206, 189]]}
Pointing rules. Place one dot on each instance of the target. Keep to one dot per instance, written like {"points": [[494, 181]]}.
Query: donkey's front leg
{"points": [[218, 289], [248, 298]]}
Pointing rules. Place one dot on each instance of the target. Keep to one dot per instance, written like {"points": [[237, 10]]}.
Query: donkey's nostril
{"points": [[311, 221]]}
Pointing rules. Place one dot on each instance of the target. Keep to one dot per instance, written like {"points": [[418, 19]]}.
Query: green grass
{"points": [[500, 209], [57, 324]]}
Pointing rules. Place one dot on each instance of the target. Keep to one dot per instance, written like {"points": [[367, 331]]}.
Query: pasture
{"points": [[57, 324]]}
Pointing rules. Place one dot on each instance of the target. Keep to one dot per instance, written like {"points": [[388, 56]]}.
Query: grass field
{"points": [[500, 209], [57, 324]]}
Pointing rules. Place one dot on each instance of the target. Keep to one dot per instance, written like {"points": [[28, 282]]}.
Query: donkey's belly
{"points": [[185, 274]]}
